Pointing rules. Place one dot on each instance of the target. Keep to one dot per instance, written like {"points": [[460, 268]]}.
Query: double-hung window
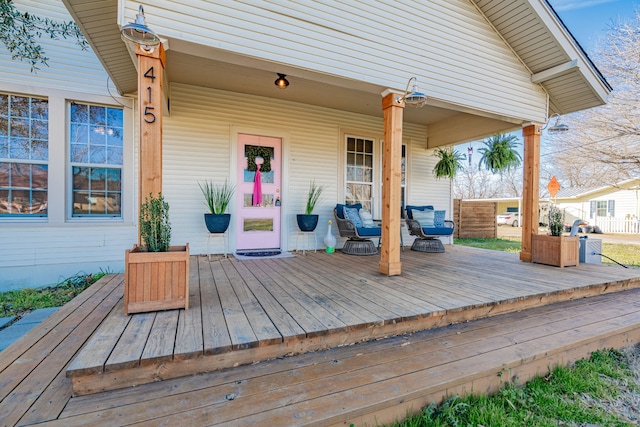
{"points": [[24, 153], [96, 153], [360, 173]]}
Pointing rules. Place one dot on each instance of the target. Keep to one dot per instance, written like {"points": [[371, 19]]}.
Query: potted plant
{"points": [[555, 248], [217, 198], [449, 163], [309, 221], [156, 274]]}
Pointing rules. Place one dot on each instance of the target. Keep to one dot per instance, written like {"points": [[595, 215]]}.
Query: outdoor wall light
{"points": [[138, 32], [282, 81], [415, 98], [557, 126]]}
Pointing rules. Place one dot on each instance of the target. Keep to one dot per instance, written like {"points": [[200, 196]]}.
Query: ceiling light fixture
{"points": [[281, 81]]}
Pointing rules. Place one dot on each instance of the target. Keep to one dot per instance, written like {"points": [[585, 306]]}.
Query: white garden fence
{"points": [[617, 225]]}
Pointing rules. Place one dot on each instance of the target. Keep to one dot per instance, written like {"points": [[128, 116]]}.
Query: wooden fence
{"points": [[475, 219]]}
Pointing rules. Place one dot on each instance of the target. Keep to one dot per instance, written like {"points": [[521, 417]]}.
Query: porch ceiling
{"points": [[530, 28]]}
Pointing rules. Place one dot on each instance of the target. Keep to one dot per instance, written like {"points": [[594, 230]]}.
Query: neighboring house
{"points": [[485, 66], [614, 209]]}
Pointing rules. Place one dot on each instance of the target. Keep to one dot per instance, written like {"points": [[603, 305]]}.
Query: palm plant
{"points": [[500, 153], [217, 196], [449, 162]]}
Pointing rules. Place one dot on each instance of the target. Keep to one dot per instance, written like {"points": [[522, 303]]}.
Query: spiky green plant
{"points": [[500, 154], [313, 197], [449, 163], [155, 229], [217, 196]]}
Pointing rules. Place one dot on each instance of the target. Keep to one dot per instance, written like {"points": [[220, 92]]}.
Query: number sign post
{"points": [[150, 74]]}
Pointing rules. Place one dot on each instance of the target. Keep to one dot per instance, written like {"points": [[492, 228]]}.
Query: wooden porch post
{"points": [[150, 74], [531, 188], [391, 181]]}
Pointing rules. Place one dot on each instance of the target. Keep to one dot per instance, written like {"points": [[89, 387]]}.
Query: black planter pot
{"points": [[217, 223], [307, 222]]}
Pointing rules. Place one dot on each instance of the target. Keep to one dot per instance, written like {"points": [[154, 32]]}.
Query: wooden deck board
{"points": [[390, 368], [216, 337], [189, 339], [240, 330], [265, 331], [296, 296]]}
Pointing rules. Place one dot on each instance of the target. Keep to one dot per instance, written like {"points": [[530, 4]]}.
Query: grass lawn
{"points": [[590, 393], [593, 392], [626, 254], [16, 303]]}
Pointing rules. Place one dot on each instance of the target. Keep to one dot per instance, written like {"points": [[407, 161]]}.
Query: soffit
{"points": [[538, 37]]}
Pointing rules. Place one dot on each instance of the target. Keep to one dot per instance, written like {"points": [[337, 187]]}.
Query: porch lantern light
{"points": [[415, 98], [557, 126], [281, 81], [138, 32]]}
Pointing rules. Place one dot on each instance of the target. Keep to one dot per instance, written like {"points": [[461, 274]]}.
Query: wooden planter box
{"points": [[156, 281], [560, 251]]}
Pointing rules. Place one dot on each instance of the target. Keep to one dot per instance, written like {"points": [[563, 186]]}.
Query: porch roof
{"points": [[531, 29]]}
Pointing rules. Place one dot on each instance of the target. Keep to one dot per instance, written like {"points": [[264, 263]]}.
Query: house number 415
{"points": [[149, 117]]}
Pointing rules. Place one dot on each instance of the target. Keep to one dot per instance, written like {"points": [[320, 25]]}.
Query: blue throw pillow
{"points": [[438, 219], [425, 218], [367, 219], [412, 208], [353, 215], [340, 208]]}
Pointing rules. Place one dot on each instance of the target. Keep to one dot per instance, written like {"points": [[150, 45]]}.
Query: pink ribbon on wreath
{"points": [[257, 188]]}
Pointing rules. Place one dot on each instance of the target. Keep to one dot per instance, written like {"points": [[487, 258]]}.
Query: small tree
{"points": [[19, 31], [155, 229]]}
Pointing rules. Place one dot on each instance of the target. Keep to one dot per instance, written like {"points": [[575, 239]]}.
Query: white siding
{"points": [[455, 53], [35, 251], [198, 145], [69, 66]]}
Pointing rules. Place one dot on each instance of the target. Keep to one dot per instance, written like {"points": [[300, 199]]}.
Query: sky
{"points": [[589, 20]]}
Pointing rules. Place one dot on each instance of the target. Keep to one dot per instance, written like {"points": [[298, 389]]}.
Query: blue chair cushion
{"points": [[411, 208], [438, 219], [340, 208], [370, 231], [437, 231]]}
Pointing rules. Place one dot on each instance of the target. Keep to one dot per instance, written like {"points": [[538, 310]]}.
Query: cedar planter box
{"points": [[156, 281], [559, 251]]}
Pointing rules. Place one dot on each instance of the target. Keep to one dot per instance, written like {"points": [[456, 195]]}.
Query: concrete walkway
{"points": [[11, 333]]}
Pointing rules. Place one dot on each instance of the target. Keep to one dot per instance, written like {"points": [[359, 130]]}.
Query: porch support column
{"points": [[151, 65], [391, 181], [531, 188]]}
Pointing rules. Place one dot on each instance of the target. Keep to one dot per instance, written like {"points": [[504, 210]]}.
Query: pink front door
{"points": [[258, 225]]}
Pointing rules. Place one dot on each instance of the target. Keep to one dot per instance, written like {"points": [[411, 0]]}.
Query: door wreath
{"points": [[254, 151]]}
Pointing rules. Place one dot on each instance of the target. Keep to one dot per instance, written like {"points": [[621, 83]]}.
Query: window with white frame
{"points": [[24, 155], [359, 182], [96, 155]]}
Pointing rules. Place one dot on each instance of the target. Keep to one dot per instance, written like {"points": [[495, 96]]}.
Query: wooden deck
{"points": [[247, 311]]}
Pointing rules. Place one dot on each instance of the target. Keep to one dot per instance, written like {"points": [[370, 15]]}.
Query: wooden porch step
{"points": [[379, 381]]}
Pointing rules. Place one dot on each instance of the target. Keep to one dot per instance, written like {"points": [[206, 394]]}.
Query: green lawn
{"points": [[16, 303], [626, 254], [580, 395]]}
